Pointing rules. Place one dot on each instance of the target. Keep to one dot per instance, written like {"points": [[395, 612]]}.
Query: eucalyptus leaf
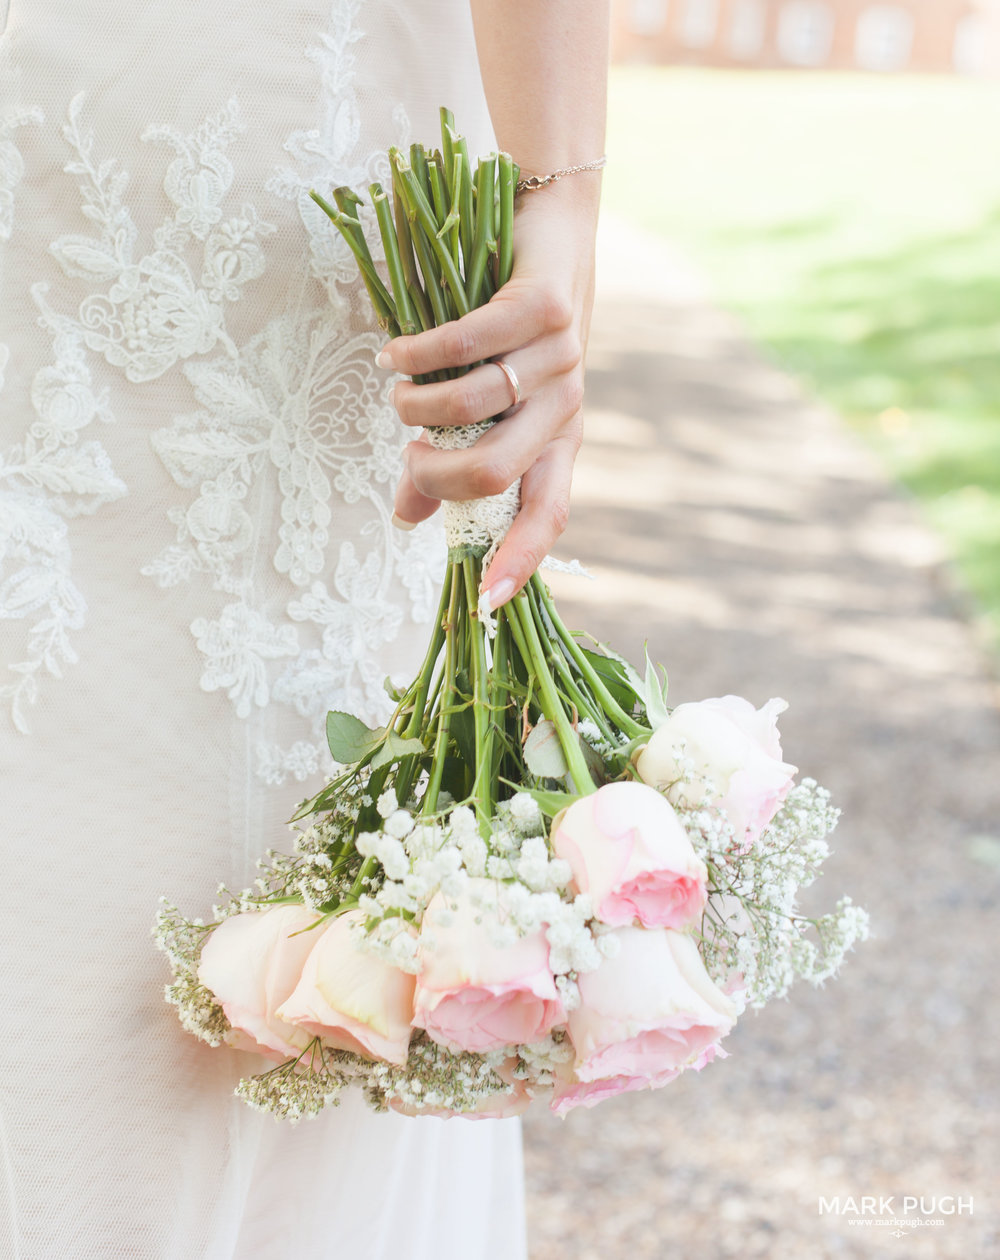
{"points": [[543, 754], [349, 739]]}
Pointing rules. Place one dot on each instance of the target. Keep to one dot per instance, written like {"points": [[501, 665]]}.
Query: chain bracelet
{"points": [[534, 182]]}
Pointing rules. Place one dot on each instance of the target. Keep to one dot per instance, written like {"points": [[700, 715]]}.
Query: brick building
{"points": [[936, 36]]}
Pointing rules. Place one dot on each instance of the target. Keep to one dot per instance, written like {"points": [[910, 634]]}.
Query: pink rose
{"points": [[629, 850], [734, 745], [570, 1091], [350, 999], [648, 1011], [473, 994], [251, 963]]}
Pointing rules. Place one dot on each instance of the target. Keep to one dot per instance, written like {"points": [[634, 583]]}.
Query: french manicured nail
{"points": [[382, 359], [406, 526], [499, 593], [392, 396]]}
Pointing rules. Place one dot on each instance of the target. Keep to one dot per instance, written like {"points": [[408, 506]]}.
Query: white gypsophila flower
{"points": [[499, 867], [474, 854], [590, 732], [392, 856], [369, 906], [569, 992], [398, 824], [504, 840], [751, 931], [387, 803], [524, 813], [366, 843], [462, 822], [532, 866], [393, 896], [546, 1055]]}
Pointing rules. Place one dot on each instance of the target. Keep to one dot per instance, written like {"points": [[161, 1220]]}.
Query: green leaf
{"points": [[612, 673], [543, 754], [349, 739], [391, 690], [396, 748], [654, 695]]}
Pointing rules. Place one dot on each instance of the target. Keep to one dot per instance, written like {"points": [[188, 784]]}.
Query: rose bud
{"points": [[251, 963], [628, 849], [735, 746], [648, 1010], [473, 994]]}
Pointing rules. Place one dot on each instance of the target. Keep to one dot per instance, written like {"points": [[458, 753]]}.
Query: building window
{"points": [[969, 52], [805, 33], [697, 24], [647, 17], [884, 38], [747, 26]]}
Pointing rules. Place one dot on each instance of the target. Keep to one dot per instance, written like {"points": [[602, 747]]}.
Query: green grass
{"points": [[854, 222]]}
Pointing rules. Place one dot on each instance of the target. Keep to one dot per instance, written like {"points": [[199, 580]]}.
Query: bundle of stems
{"points": [[495, 707]]}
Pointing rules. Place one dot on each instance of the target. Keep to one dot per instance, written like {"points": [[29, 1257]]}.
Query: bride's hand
{"points": [[537, 323]]}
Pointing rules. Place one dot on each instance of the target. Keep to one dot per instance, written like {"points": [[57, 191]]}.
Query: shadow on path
{"points": [[742, 531]]}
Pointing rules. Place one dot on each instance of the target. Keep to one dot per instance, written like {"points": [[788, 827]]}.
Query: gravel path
{"points": [[740, 529]]}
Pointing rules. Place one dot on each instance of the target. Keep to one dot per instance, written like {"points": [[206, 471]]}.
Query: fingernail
{"points": [[382, 359], [498, 593], [399, 523], [392, 396]]}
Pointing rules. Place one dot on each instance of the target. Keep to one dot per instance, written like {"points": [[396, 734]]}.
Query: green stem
{"points": [[505, 236], [426, 221], [390, 245], [484, 232], [624, 721], [352, 232], [423, 682], [429, 805], [482, 788], [550, 703]]}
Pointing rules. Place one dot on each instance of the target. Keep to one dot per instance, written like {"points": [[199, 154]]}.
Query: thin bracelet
{"points": [[534, 182]]}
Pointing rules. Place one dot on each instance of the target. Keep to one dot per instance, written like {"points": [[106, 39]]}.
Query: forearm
{"points": [[544, 69]]}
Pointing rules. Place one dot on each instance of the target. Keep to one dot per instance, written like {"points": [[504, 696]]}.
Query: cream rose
{"points": [[252, 963], [628, 849], [735, 746], [473, 994], [350, 999], [648, 1011]]}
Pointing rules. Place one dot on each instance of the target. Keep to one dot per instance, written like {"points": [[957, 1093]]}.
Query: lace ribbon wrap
{"points": [[475, 522]]}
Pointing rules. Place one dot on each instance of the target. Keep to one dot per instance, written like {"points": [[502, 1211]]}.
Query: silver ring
{"points": [[511, 376]]}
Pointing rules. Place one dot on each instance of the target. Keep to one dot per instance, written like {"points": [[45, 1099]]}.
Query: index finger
{"points": [[512, 318]]}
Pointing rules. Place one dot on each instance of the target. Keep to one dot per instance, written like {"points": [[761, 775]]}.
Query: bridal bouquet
{"points": [[535, 882]]}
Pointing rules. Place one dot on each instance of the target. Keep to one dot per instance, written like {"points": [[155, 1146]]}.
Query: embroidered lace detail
{"points": [[154, 312], [12, 165], [48, 477], [44, 480], [294, 424]]}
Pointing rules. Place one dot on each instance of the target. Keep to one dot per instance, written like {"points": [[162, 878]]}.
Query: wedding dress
{"points": [[197, 463]]}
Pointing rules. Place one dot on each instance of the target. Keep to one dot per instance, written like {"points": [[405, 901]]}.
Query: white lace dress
{"points": [[197, 461]]}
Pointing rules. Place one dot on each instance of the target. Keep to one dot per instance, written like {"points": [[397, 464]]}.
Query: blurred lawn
{"points": [[854, 222]]}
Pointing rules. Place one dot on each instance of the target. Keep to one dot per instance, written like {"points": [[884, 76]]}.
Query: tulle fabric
{"points": [[197, 460]]}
